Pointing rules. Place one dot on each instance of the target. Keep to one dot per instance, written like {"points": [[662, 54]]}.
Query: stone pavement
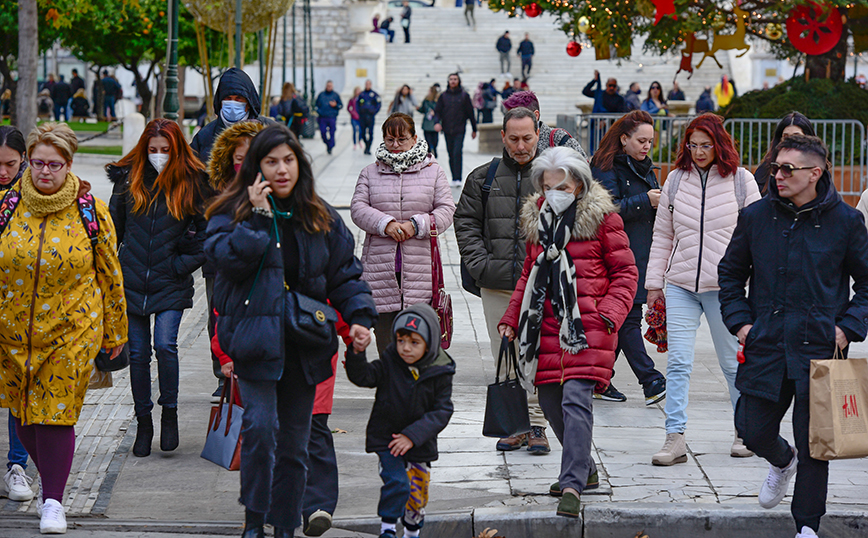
{"points": [[112, 493]]}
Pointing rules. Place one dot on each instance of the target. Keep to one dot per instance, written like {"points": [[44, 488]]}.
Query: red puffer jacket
{"points": [[606, 278]]}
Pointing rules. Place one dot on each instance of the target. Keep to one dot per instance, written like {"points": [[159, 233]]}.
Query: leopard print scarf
{"points": [[404, 160]]}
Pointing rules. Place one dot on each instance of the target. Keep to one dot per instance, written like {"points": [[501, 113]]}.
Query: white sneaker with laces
{"points": [[53, 519], [774, 488], [18, 484], [806, 532]]}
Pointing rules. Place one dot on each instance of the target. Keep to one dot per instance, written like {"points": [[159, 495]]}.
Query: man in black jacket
{"points": [[503, 46], [800, 246], [526, 52], [454, 108], [492, 248], [61, 94]]}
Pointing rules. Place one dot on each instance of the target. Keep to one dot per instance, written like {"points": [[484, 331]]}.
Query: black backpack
{"points": [[467, 281]]}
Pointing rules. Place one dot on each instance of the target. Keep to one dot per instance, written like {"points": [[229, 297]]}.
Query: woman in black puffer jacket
{"points": [[622, 165], [156, 205], [271, 233]]}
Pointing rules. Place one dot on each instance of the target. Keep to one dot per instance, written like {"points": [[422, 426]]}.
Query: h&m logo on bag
{"points": [[850, 408]]}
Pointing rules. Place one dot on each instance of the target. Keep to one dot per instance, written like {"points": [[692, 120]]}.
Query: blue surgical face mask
{"points": [[233, 111]]}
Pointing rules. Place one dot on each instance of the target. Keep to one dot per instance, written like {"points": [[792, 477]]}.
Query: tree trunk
{"points": [[28, 58], [831, 65]]}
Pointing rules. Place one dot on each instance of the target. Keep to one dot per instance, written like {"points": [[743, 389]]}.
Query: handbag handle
{"points": [[506, 348], [436, 260], [230, 387]]}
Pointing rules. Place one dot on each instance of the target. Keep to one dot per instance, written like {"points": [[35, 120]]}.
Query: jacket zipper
{"points": [[26, 406], [701, 237], [400, 249], [516, 233], [672, 256], [148, 269]]}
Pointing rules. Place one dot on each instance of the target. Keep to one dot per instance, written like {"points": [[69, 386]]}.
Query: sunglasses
{"points": [[787, 169], [611, 85], [655, 87]]}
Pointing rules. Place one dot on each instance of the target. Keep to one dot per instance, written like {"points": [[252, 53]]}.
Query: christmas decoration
{"points": [[692, 45], [664, 8], [729, 42], [774, 31], [533, 10], [574, 48], [814, 28], [584, 25]]}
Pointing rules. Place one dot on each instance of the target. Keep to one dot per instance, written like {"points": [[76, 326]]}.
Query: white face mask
{"points": [[559, 201], [158, 160]]}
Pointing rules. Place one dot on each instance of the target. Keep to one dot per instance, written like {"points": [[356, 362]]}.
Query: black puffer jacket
{"points": [[494, 250], [629, 182], [158, 252], [418, 408], [252, 332], [454, 108], [800, 262]]}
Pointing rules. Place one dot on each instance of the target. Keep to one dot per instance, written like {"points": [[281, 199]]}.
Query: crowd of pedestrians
{"points": [[563, 250]]}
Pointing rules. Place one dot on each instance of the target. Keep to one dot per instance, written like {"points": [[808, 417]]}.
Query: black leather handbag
{"points": [[104, 364], [309, 322], [506, 402]]}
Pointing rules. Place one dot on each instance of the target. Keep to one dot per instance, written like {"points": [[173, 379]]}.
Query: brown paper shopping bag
{"points": [[839, 409]]}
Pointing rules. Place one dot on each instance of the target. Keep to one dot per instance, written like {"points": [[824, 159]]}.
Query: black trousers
{"points": [[455, 147], [366, 122], [630, 341], [321, 492], [758, 422]]}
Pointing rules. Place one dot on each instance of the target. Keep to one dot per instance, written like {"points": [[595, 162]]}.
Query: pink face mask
{"points": [[237, 167]]}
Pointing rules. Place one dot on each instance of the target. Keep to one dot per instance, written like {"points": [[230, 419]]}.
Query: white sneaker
{"points": [[18, 484], [806, 532], [774, 488], [53, 519]]}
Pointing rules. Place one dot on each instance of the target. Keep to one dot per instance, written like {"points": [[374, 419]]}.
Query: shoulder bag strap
{"points": [[7, 207], [436, 262], [489, 179], [672, 188]]}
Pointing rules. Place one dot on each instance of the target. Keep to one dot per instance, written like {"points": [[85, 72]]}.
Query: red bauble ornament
{"points": [[533, 10], [814, 28], [574, 48]]}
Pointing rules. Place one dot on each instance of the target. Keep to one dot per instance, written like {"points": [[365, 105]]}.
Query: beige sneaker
{"points": [[738, 449], [674, 450]]}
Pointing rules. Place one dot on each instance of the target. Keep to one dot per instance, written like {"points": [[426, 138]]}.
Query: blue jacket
{"points": [[525, 49], [799, 262], [368, 103], [604, 103], [629, 188], [324, 109], [253, 333]]}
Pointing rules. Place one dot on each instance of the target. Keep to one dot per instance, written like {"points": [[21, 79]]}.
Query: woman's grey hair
{"points": [[561, 158]]}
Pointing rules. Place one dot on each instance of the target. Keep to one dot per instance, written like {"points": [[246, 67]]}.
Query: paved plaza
{"points": [[112, 493]]}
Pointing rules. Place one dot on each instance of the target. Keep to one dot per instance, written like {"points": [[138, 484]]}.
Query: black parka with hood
{"points": [[418, 408]]}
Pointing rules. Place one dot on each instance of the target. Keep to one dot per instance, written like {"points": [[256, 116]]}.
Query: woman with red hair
{"points": [[697, 215], [156, 205]]}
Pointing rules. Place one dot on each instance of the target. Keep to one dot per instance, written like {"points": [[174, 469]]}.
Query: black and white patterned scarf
{"points": [[404, 160], [553, 271]]}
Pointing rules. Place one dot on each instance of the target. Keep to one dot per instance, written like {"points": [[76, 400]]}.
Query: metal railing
{"points": [[844, 138]]}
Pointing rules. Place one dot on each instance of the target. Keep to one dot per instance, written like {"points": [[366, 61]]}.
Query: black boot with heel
{"points": [[169, 429], [144, 436]]}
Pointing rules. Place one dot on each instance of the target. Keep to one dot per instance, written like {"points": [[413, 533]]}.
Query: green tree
{"points": [[616, 23]]}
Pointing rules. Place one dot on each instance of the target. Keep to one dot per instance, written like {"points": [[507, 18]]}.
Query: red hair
{"points": [[610, 146], [725, 155], [179, 181]]}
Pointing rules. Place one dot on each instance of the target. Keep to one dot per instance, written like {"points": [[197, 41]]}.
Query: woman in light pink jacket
{"points": [[697, 215], [395, 199]]}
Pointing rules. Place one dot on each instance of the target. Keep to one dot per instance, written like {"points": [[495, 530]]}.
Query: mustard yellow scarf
{"points": [[40, 204]]}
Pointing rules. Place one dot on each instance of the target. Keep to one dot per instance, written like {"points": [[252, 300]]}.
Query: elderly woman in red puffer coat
{"points": [[577, 286]]}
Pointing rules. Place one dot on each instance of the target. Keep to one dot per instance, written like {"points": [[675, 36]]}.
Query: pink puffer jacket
{"points": [[383, 196], [689, 242]]}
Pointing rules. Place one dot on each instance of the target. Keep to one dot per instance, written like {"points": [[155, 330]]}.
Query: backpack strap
{"points": [[7, 207], [489, 179], [564, 139], [87, 212], [672, 188], [740, 189]]}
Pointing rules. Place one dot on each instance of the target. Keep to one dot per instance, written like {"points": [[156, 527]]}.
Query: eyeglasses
{"points": [[704, 147], [396, 141], [54, 166], [787, 169]]}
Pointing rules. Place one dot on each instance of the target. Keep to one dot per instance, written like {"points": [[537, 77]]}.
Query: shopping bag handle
{"points": [[229, 388], [838, 354], [507, 348]]}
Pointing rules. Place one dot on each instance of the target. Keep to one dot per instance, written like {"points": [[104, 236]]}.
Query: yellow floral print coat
{"points": [[57, 309]]}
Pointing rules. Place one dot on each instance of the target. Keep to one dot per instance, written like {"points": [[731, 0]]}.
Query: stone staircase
{"points": [[441, 43]]}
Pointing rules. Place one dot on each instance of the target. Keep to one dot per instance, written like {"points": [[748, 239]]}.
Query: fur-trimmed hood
{"points": [[591, 209], [220, 166]]}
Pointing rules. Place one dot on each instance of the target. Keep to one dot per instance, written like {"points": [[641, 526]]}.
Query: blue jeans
{"points": [[357, 131], [166, 325], [110, 105], [389, 33], [398, 497], [60, 109], [17, 453], [455, 148], [433, 138], [327, 131], [683, 310], [275, 433]]}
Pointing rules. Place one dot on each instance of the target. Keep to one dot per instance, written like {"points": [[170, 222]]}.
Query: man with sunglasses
{"points": [[800, 246], [607, 101]]}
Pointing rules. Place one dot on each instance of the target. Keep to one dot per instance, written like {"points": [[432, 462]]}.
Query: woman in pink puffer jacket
{"points": [[691, 233], [394, 201]]}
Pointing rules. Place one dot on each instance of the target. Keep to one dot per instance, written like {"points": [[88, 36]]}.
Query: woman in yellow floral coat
{"points": [[61, 300]]}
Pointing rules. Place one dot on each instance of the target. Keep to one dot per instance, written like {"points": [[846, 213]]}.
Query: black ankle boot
{"points": [[283, 533], [144, 436], [253, 532], [169, 429]]}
